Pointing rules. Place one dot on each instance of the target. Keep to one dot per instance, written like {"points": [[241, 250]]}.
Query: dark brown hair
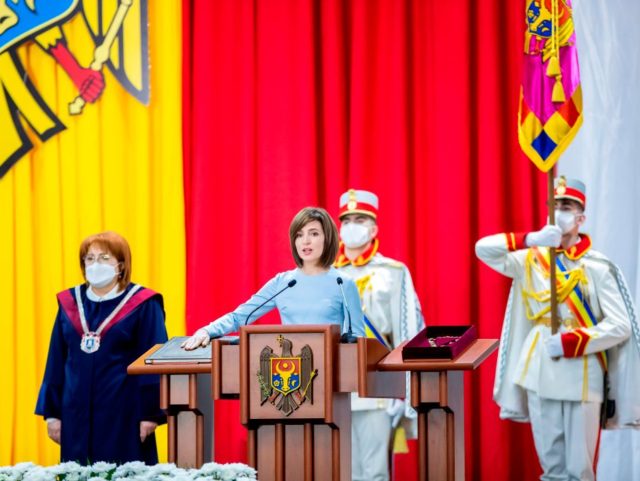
{"points": [[116, 245], [330, 247]]}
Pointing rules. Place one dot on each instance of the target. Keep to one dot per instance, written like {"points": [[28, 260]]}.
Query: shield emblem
{"points": [[285, 374], [25, 18]]}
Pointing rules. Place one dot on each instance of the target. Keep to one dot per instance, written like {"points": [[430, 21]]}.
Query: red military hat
{"points": [[358, 202], [570, 189]]}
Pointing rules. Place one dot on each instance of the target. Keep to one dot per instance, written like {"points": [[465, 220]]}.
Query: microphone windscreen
{"points": [[339, 280], [292, 283]]}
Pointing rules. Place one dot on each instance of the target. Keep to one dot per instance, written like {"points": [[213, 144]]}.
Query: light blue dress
{"points": [[313, 299]]}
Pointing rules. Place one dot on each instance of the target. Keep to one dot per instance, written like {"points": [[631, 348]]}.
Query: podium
{"points": [[437, 394], [294, 385], [185, 395]]}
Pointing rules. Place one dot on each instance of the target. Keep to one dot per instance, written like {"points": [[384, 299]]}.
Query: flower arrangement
{"points": [[134, 471]]}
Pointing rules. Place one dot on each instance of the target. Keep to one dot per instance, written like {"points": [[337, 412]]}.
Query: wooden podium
{"points": [[294, 385], [310, 439], [187, 404], [437, 394]]}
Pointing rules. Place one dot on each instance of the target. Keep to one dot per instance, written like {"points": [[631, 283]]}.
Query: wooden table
{"points": [[185, 394], [437, 394]]}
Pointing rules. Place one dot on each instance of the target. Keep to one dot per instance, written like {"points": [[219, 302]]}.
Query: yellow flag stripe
{"points": [[117, 166]]}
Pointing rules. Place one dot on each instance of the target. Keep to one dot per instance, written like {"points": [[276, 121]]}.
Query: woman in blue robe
{"points": [[94, 410]]}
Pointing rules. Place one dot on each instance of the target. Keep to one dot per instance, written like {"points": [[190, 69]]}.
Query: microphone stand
{"points": [[291, 283], [346, 337]]}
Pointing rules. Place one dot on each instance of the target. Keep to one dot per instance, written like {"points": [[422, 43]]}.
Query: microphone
{"points": [[347, 337], [291, 283]]}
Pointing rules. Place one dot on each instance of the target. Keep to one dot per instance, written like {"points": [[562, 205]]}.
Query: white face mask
{"points": [[100, 275], [355, 235], [565, 220]]}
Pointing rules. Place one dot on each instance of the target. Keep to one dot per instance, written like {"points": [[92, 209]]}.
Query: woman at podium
{"points": [[93, 409], [312, 293]]}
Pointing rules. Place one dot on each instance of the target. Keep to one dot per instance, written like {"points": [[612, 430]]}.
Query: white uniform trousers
{"points": [[370, 440], [565, 434]]}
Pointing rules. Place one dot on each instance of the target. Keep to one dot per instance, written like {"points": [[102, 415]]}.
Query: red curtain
{"points": [[288, 103]]}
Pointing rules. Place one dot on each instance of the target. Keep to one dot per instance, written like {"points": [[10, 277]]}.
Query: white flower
{"points": [[15, 473], [181, 477], [209, 470], [39, 474], [68, 467], [243, 469], [130, 469], [101, 467], [133, 471]]}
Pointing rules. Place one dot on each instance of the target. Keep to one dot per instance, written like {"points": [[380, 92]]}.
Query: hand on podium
{"points": [[200, 338]]}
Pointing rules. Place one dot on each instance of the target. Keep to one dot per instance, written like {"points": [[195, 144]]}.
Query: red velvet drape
{"points": [[288, 103]]}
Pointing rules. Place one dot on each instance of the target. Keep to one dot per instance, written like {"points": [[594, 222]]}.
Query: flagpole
{"points": [[555, 322]]}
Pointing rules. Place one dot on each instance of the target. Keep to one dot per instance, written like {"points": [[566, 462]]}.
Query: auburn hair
{"points": [[117, 246]]}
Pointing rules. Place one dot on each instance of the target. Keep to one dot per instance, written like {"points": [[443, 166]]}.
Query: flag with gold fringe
{"points": [[550, 110]]}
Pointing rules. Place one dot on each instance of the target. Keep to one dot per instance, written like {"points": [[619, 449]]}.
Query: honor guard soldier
{"points": [[392, 315], [559, 382]]}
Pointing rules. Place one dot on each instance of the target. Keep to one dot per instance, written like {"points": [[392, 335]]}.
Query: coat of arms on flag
{"points": [[118, 31], [550, 111], [286, 380]]}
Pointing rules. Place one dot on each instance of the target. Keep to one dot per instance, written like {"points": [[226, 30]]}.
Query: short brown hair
{"points": [[330, 247], [116, 245]]}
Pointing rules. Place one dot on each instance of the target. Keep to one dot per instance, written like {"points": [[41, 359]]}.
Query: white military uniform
{"points": [[390, 304], [561, 398]]}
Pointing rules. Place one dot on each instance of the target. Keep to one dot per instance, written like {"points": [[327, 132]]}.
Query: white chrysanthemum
{"points": [[39, 473], [15, 473], [133, 471], [155, 473], [134, 477], [182, 477], [130, 469], [68, 467], [101, 467], [6, 474], [210, 471], [243, 469]]}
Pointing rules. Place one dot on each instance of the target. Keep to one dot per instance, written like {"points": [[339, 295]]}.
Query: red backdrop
{"points": [[288, 103]]}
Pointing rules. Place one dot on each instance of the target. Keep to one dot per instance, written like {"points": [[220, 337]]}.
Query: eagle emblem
{"points": [[540, 19], [286, 381], [118, 33]]}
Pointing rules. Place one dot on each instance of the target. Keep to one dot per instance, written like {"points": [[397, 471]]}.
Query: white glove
{"points": [[548, 236], [553, 344], [200, 338], [395, 410]]}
